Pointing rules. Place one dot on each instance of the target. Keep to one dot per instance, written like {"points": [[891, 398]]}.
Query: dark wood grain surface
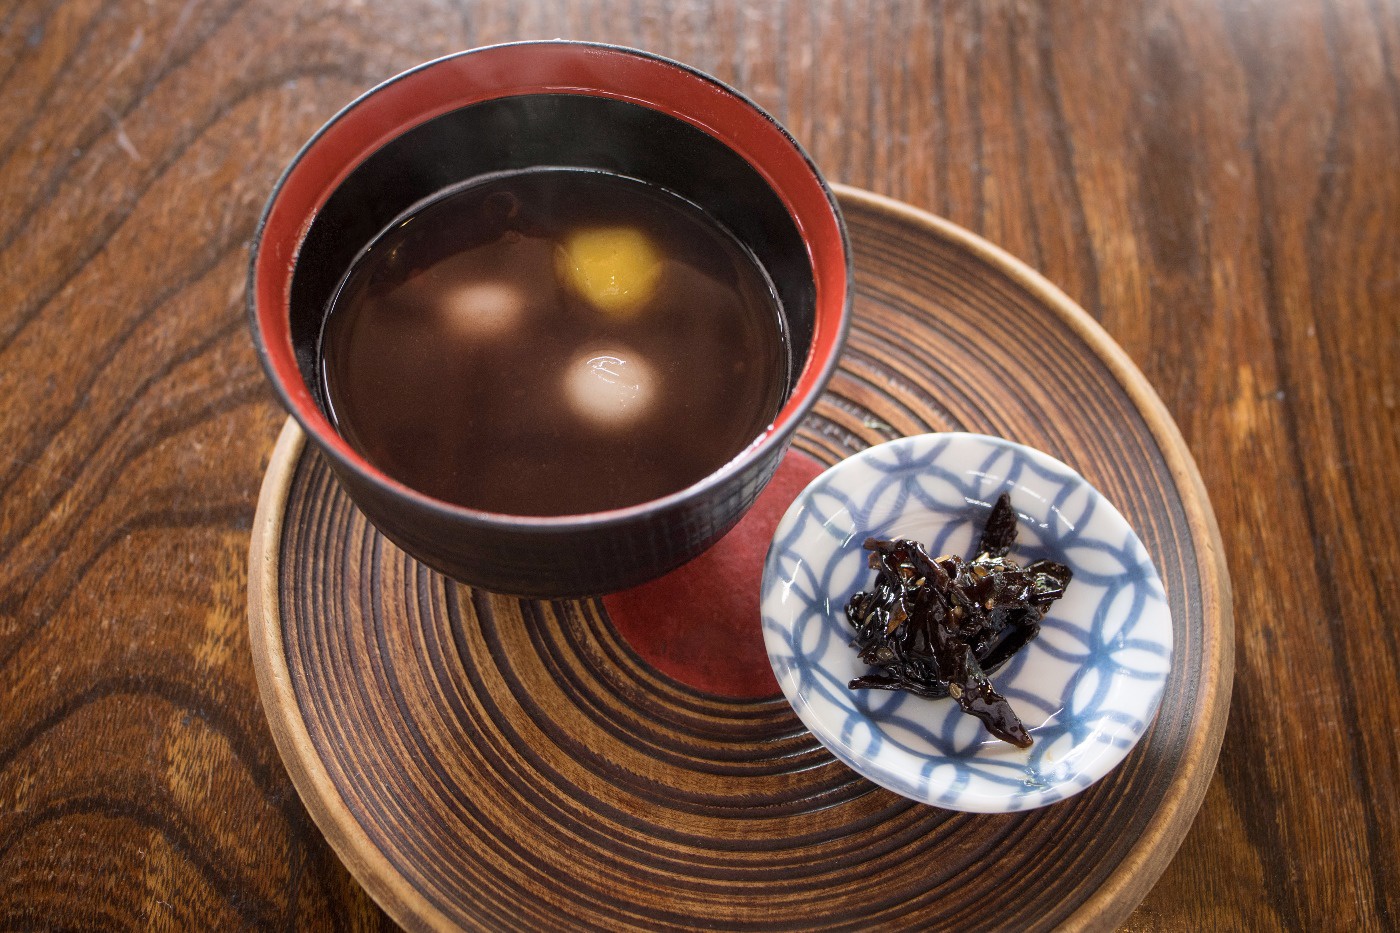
{"points": [[1216, 181]]}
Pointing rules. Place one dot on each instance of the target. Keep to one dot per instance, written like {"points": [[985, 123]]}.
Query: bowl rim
{"points": [[828, 339], [963, 800]]}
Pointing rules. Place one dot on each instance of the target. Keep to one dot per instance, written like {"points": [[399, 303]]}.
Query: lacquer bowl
{"points": [[518, 106]]}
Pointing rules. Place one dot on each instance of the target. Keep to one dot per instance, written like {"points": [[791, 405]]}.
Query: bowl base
{"points": [[699, 624]]}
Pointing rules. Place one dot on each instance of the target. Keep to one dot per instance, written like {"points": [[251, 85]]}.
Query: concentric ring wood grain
{"points": [[480, 761]]}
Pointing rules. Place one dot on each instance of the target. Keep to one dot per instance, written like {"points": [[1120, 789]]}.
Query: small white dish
{"points": [[1087, 688]]}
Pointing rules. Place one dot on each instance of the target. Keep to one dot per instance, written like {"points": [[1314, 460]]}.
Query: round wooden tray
{"points": [[482, 761]]}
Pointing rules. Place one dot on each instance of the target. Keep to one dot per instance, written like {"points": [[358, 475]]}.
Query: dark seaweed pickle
{"points": [[937, 627]]}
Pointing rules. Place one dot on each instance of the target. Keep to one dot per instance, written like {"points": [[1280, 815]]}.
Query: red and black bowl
{"points": [[517, 106]]}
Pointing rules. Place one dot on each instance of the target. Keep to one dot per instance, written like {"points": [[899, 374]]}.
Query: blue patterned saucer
{"points": [[1086, 688]]}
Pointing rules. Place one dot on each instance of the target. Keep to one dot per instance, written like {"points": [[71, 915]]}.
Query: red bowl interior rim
{"points": [[552, 67]]}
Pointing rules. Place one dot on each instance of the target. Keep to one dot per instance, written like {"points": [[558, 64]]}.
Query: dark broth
{"points": [[553, 342]]}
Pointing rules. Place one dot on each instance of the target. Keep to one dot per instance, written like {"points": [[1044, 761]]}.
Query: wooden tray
{"points": [[481, 761]]}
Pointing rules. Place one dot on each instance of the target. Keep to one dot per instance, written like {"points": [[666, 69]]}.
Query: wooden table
{"points": [[1217, 182]]}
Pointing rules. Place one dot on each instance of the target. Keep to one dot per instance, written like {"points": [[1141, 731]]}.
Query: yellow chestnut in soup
{"points": [[615, 269]]}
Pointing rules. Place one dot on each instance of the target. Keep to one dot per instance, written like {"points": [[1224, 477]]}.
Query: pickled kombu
{"points": [[937, 627]]}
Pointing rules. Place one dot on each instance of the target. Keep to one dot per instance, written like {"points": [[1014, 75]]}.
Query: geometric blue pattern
{"points": [[1086, 688]]}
